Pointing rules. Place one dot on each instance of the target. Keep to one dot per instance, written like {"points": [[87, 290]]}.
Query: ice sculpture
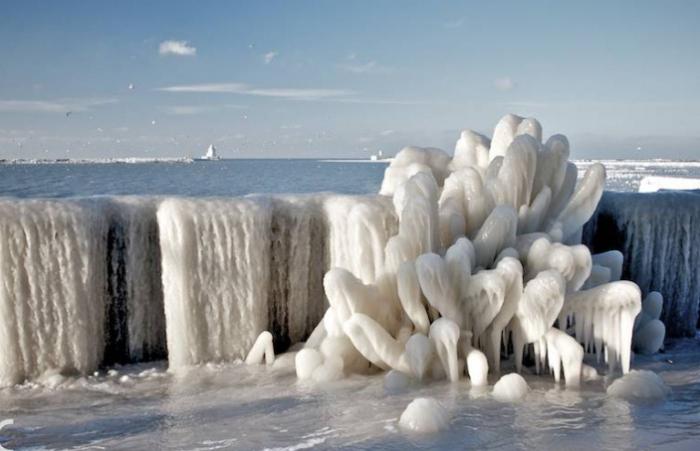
{"points": [[486, 253]]}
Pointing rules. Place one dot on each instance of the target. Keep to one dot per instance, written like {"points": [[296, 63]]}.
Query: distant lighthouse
{"points": [[211, 155]]}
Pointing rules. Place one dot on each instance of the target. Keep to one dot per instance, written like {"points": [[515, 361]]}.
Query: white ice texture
{"points": [[424, 416], [639, 386], [660, 231], [510, 388], [486, 250]]}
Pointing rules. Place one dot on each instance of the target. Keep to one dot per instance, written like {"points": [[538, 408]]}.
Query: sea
{"points": [[239, 177], [234, 406]]}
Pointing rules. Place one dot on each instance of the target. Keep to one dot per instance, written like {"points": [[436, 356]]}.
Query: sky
{"points": [[308, 79]]}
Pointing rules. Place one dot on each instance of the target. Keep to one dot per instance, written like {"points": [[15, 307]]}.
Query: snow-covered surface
{"points": [[651, 184], [626, 175]]}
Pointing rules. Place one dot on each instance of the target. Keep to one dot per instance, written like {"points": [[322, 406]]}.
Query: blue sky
{"points": [[344, 79]]}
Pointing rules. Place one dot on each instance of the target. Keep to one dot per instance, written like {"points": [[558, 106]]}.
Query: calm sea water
{"points": [[221, 178], [240, 177]]}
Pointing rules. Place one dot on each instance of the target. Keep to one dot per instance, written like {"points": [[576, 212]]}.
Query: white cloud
{"points": [[52, 106], [180, 48], [269, 56], [309, 94], [189, 110], [504, 84], [244, 89], [363, 68]]}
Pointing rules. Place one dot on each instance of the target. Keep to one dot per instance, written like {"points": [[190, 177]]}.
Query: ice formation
{"points": [[262, 349], [457, 261], [424, 416], [59, 324], [639, 386], [486, 252], [510, 388], [658, 232], [649, 331]]}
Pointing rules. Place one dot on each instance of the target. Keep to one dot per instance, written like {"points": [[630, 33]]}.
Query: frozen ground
{"points": [[244, 407]]}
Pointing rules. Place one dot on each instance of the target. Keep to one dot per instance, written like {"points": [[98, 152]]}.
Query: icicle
{"points": [[262, 348]]}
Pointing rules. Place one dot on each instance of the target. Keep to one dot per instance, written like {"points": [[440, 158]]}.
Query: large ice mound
{"points": [[487, 252]]}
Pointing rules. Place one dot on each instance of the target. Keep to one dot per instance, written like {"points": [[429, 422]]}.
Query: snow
{"points": [[652, 184]]}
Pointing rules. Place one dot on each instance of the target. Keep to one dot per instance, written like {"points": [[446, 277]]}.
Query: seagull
{"points": [[68, 113], [131, 86]]}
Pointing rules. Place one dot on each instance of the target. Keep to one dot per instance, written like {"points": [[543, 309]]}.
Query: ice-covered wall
{"points": [[658, 233], [296, 301], [215, 256], [88, 282], [235, 267], [52, 296], [135, 322]]}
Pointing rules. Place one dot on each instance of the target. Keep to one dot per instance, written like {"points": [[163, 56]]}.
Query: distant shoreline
{"points": [[188, 160]]}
